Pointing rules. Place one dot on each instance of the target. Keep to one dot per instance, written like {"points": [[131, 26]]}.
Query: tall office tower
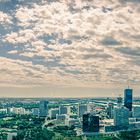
{"points": [[43, 108], [82, 108], [90, 123], [94, 123], [121, 114], [86, 122], [128, 98], [63, 110], [110, 109]]}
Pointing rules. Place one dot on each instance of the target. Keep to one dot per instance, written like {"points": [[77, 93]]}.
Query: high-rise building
{"points": [[128, 98], [110, 109], [90, 123], [86, 122], [121, 114], [94, 123], [43, 108], [82, 108], [63, 110]]}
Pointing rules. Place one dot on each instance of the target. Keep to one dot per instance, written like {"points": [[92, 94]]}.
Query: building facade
{"points": [[128, 98], [121, 116], [110, 110], [63, 110], [136, 111], [53, 113], [43, 108], [90, 123], [82, 108]]}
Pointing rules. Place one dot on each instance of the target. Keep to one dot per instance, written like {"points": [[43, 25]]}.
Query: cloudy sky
{"points": [[69, 47]]}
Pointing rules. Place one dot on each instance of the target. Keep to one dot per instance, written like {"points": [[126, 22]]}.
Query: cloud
{"points": [[130, 51], [70, 43], [110, 41], [5, 19]]}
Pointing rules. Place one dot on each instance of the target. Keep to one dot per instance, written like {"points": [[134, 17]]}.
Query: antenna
{"points": [[128, 83]]}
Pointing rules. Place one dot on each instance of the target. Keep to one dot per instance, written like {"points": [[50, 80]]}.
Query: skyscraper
{"points": [[90, 123], [128, 98], [121, 114], [86, 122], [110, 109], [43, 108]]}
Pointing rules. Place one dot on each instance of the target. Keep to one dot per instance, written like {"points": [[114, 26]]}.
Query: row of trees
{"points": [[3, 136], [34, 134], [124, 135]]}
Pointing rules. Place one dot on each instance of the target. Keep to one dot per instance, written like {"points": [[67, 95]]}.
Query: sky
{"points": [[69, 48]]}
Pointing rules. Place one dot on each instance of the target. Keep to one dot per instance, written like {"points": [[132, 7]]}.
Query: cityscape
{"points": [[71, 118], [69, 69]]}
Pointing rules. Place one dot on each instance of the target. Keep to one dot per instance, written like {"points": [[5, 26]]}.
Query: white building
{"points": [[90, 107], [3, 111], [19, 110], [71, 122], [53, 113]]}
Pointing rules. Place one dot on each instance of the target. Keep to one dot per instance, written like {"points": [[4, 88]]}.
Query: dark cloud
{"points": [[133, 1], [98, 55], [110, 41], [129, 51], [65, 41], [135, 37]]}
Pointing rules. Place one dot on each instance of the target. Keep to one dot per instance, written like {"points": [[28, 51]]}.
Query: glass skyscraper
{"points": [[90, 123], [43, 108], [128, 98]]}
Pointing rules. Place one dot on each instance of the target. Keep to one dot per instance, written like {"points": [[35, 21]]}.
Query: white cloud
{"points": [[74, 43]]}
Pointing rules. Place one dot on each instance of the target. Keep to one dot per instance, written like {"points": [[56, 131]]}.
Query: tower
{"points": [[110, 109], [128, 98], [43, 108], [86, 122], [90, 123], [121, 114]]}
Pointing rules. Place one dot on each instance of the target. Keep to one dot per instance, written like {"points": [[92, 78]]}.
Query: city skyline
{"points": [[69, 48]]}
